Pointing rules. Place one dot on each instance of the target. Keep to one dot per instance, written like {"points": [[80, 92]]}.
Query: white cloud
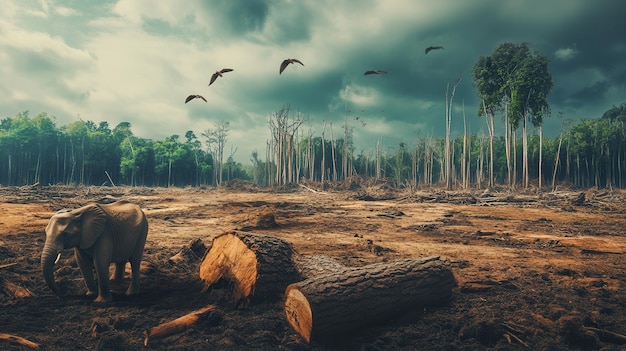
{"points": [[566, 54], [66, 11], [360, 96]]}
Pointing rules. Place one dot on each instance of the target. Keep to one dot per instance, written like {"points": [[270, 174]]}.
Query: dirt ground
{"points": [[535, 271]]}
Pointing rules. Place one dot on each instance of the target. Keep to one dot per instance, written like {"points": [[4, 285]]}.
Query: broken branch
{"points": [[177, 325], [8, 265], [608, 336], [19, 340]]}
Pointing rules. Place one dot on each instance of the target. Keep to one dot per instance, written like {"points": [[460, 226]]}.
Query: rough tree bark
{"points": [[256, 265], [331, 305]]}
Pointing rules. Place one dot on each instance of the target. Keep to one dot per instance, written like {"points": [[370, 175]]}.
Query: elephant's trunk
{"points": [[48, 259]]}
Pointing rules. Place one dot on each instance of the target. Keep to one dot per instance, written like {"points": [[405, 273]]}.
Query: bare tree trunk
{"points": [[323, 167], [514, 135], [464, 171], [540, 153], [378, 157], [525, 174], [414, 166], [556, 161], [491, 128], [507, 144], [448, 171], [333, 148]]}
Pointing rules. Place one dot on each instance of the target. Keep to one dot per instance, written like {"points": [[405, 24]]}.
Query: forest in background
{"points": [[513, 83], [36, 150]]}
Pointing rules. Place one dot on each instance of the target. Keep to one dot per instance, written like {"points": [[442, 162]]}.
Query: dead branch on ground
{"points": [[19, 340], [177, 325]]}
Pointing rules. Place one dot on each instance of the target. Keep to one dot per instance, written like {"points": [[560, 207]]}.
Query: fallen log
{"points": [[177, 325], [19, 340], [256, 265], [332, 305]]}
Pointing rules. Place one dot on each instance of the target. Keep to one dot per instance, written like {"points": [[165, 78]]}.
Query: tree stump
{"points": [[256, 265], [327, 306]]}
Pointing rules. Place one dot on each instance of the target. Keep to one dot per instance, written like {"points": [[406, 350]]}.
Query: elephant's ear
{"points": [[93, 220]]}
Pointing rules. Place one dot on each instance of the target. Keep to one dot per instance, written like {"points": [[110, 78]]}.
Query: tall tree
{"points": [[517, 76]]}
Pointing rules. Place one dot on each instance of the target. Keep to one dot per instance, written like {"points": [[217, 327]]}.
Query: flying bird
{"points": [[219, 74], [191, 97], [375, 71], [430, 48], [286, 63]]}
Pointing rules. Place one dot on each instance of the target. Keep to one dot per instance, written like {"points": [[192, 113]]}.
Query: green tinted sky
{"points": [[136, 61]]}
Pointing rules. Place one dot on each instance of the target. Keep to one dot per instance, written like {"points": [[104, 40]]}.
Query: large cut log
{"points": [[257, 266], [329, 306]]}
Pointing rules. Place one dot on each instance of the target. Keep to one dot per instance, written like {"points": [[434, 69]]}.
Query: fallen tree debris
{"points": [[11, 289], [19, 340], [177, 325], [255, 265], [331, 305], [607, 336], [8, 265]]}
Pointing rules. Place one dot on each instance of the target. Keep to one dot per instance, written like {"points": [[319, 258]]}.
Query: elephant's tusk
{"points": [[58, 258]]}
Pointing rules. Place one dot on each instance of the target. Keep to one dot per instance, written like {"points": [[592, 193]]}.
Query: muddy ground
{"points": [[535, 271]]}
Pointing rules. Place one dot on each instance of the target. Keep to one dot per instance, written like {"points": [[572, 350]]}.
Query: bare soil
{"points": [[535, 271]]}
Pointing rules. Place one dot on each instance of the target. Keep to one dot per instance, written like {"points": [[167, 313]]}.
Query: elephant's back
{"points": [[126, 213]]}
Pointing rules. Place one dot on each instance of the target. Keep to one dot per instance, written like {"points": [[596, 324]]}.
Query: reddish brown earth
{"points": [[535, 271]]}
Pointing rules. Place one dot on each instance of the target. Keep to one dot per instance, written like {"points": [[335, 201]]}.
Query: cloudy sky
{"points": [[137, 61]]}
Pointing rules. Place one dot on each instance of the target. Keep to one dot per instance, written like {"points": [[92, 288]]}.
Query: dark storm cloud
{"points": [[239, 16], [168, 46]]}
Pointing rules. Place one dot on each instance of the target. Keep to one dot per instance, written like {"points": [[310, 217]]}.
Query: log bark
{"points": [[177, 325], [328, 306], [310, 266], [19, 340], [257, 266]]}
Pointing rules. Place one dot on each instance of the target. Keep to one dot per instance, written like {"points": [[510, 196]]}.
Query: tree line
{"points": [[513, 83], [35, 150]]}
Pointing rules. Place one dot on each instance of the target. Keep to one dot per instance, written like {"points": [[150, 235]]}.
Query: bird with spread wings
{"points": [[286, 63], [191, 97], [219, 74], [375, 71], [431, 48]]}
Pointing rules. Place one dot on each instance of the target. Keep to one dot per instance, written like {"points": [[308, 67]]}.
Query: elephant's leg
{"points": [[85, 264], [134, 287], [102, 263], [135, 266], [118, 276]]}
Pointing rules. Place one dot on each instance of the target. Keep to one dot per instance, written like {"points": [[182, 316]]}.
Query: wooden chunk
{"points": [[256, 265], [328, 306], [176, 326]]}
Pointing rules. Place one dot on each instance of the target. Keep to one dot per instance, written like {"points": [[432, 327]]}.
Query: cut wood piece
{"points": [[19, 340], [177, 325], [329, 306], [256, 265]]}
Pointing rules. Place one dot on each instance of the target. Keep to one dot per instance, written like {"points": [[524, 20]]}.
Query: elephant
{"points": [[100, 234]]}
